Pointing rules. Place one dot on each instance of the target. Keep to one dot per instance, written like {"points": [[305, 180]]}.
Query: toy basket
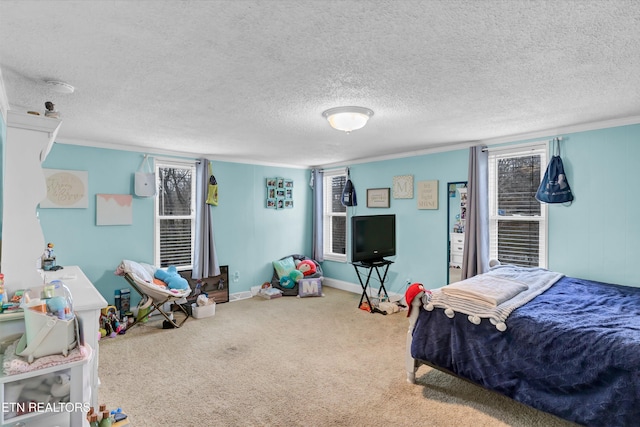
{"points": [[48, 331]]}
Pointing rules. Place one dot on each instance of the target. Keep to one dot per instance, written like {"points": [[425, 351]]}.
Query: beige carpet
{"points": [[290, 362]]}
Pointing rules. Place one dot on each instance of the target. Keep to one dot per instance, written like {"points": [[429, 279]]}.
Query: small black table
{"points": [[370, 266]]}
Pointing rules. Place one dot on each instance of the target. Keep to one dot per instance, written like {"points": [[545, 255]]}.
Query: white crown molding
{"points": [[122, 147], [547, 133]]}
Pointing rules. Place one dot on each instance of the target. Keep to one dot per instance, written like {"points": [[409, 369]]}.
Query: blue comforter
{"points": [[573, 351]]}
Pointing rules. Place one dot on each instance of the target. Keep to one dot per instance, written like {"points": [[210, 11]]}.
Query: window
{"points": [[335, 216], [175, 214], [517, 221]]}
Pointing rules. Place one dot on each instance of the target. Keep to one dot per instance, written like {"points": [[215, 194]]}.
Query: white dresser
{"points": [[87, 303], [456, 247]]}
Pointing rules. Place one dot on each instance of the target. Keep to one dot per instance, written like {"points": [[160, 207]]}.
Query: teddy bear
{"points": [[307, 267], [172, 278]]}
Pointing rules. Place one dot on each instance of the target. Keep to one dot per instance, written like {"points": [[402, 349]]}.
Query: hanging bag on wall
{"points": [[554, 187], [145, 179], [212, 189]]}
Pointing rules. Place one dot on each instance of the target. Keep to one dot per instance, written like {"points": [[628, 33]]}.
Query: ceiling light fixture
{"points": [[347, 119], [60, 87]]}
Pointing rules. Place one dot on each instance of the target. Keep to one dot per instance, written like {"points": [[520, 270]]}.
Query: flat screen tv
{"points": [[373, 237]]}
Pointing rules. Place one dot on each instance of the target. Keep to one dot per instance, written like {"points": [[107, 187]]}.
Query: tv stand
{"points": [[370, 266]]}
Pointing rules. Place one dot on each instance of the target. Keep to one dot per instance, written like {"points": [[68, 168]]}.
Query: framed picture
{"points": [[288, 183], [288, 204], [403, 187], [271, 182], [428, 194], [271, 203], [378, 197]]}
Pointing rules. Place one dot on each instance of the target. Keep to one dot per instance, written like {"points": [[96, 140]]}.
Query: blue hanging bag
{"points": [[554, 187]]}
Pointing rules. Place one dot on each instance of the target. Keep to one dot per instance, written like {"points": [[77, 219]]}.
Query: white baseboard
{"points": [[237, 296], [357, 289]]}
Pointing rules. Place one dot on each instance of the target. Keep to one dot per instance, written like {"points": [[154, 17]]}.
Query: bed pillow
{"points": [[284, 266]]}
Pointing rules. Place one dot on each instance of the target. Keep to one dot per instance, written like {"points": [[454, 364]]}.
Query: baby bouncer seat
{"points": [[141, 277]]}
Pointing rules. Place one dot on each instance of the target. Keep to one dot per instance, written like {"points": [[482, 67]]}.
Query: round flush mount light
{"points": [[60, 87], [347, 119]]}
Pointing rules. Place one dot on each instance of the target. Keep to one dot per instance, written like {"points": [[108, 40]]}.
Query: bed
{"points": [[572, 349]]}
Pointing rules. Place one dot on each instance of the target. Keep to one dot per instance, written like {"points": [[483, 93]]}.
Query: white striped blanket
{"points": [[493, 295]]}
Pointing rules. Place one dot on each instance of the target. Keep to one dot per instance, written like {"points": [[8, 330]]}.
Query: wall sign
{"points": [[428, 194], [66, 189], [403, 187]]}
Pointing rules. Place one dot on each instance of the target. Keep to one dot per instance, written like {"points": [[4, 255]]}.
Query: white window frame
{"points": [[178, 164], [328, 215], [539, 148]]}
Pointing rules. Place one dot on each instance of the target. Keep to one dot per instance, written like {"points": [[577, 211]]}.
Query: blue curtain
{"points": [[475, 257], [318, 213], [205, 259]]}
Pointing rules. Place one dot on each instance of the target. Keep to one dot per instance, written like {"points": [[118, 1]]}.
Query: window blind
{"points": [[517, 220]]}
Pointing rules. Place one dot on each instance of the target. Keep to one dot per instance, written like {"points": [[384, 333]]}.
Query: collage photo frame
{"points": [[279, 193]]}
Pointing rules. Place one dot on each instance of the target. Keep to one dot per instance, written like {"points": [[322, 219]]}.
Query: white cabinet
{"points": [[456, 248], [44, 398], [87, 303]]}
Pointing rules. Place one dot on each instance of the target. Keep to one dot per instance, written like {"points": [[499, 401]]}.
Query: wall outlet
{"points": [[236, 277]]}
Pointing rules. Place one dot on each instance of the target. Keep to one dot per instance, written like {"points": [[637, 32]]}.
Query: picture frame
{"points": [[403, 187], [428, 194], [279, 193], [378, 197]]}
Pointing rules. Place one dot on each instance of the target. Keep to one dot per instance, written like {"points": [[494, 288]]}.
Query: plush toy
{"points": [[287, 282], [307, 267], [172, 278], [296, 275]]}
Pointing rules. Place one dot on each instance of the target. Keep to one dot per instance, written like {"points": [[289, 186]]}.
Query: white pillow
{"points": [[137, 270]]}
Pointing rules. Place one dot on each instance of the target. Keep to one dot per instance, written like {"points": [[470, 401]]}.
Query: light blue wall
{"points": [[421, 235], [595, 238], [248, 236]]}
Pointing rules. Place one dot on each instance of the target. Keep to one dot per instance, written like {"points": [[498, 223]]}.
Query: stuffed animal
{"points": [[296, 275], [307, 267], [172, 278], [287, 282]]}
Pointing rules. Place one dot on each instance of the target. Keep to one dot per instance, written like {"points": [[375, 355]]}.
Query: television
{"points": [[373, 237]]}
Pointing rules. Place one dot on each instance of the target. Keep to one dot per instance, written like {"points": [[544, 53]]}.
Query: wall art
{"points": [[114, 209], [66, 189], [279, 193], [403, 187], [378, 197], [428, 194]]}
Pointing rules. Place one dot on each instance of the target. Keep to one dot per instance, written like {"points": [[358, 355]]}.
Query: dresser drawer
{"points": [[457, 249], [457, 239]]}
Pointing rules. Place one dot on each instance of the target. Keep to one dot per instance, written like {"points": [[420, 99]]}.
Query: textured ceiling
{"points": [[248, 80]]}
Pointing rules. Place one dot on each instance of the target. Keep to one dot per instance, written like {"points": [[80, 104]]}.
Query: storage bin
{"points": [[202, 311]]}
